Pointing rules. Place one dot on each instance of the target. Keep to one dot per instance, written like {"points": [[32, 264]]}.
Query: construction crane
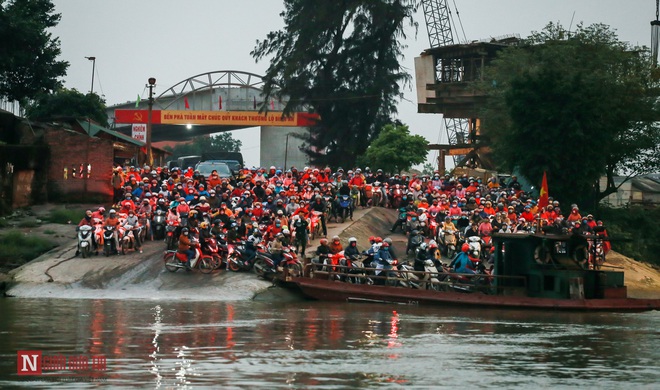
{"points": [[438, 24]]}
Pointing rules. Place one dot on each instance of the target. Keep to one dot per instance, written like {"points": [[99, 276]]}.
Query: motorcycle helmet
{"points": [[113, 211], [352, 239], [388, 240], [433, 244], [423, 246], [324, 241], [378, 240], [372, 239], [184, 231], [465, 248], [204, 225], [385, 245], [335, 238], [286, 232], [101, 209]]}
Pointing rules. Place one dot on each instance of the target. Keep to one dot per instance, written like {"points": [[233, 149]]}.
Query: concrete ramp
{"points": [[59, 274]]}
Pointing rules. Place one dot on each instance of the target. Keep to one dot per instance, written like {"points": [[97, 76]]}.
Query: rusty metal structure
{"points": [[445, 74]]}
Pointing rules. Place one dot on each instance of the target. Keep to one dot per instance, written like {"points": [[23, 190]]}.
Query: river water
{"points": [[183, 344]]}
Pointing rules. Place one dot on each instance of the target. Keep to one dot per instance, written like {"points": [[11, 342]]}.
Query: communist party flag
{"points": [[185, 102], [543, 198]]}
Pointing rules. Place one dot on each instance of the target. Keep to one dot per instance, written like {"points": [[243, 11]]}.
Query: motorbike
{"points": [[448, 241], [429, 280], [264, 264], [144, 222], [486, 244], [377, 195], [175, 260], [475, 246], [214, 251], [369, 195], [128, 240], [109, 244], [171, 237], [396, 196], [412, 222], [85, 240], [432, 226], [237, 258], [414, 241], [344, 211], [357, 272], [315, 224], [158, 225]]}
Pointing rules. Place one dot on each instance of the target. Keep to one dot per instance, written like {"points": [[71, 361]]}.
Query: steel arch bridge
{"points": [[213, 93]]}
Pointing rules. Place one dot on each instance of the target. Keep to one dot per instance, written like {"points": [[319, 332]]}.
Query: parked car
{"points": [[206, 167]]}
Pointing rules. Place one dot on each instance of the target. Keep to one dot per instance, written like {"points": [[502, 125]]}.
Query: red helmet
{"points": [[372, 238], [465, 248], [378, 239], [384, 245]]}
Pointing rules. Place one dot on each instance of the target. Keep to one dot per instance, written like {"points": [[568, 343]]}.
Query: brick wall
{"points": [[71, 150]]}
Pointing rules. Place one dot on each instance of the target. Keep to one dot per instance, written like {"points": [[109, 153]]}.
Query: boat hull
{"points": [[327, 290]]}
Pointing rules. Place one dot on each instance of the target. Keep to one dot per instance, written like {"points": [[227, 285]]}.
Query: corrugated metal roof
{"points": [[646, 184], [93, 129]]}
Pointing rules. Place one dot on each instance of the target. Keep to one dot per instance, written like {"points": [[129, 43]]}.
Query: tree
{"points": [[68, 103], [223, 142], [29, 64], [395, 150], [339, 59], [578, 105]]}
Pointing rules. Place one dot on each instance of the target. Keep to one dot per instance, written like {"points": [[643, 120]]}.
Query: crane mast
{"points": [[438, 26]]}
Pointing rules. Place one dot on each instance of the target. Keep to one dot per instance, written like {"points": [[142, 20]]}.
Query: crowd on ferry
{"points": [[284, 208]]}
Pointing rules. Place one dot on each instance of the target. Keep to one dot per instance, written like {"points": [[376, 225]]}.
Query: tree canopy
{"points": [[68, 102], [578, 105], [223, 142], [28, 52], [339, 59], [395, 150]]}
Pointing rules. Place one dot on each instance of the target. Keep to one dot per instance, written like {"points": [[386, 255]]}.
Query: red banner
{"points": [[210, 118]]}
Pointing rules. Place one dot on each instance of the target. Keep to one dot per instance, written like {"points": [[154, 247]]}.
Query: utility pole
{"points": [[151, 85], [93, 59]]}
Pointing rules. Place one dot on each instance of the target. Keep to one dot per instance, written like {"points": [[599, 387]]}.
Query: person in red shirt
{"points": [[527, 215], [488, 208]]}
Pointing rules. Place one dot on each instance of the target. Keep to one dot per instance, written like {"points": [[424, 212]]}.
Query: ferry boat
{"points": [[530, 271]]}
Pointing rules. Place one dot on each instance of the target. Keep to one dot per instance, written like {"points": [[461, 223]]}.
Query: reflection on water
{"points": [[317, 344]]}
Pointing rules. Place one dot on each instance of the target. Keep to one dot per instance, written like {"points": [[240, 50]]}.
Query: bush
{"points": [[17, 248], [66, 216], [639, 229]]}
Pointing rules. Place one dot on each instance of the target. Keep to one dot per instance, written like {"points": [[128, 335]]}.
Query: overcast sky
{"points": [[173, 40]]}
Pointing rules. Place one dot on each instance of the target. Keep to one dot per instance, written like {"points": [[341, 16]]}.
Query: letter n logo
{"points": [[29, 363]]}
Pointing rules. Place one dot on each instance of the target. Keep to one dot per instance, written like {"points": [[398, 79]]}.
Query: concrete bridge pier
{"points": [[281, 148]]}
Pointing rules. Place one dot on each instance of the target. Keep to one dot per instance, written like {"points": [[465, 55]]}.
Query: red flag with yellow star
{"points": [[543, 198]]}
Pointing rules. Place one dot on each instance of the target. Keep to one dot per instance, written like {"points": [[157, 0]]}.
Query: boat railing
{"points": [[438, 281]]}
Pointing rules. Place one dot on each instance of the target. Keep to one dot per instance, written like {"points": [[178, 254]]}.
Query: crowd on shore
{"points": [[281, 203]]}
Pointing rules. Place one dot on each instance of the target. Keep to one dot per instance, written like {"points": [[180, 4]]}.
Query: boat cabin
{"points": [[551, 266]]}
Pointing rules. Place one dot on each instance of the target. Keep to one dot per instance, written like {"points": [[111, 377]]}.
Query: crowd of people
{"points": [[276, 205]]}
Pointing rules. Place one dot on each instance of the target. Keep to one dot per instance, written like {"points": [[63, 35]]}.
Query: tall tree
{"points": [[578, 105], [28, 52], [339, 59], [395, 149], [68, 102]]}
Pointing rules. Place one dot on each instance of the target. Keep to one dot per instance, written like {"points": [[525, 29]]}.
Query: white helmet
{"points": [[352, 239], [286, 232]]}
